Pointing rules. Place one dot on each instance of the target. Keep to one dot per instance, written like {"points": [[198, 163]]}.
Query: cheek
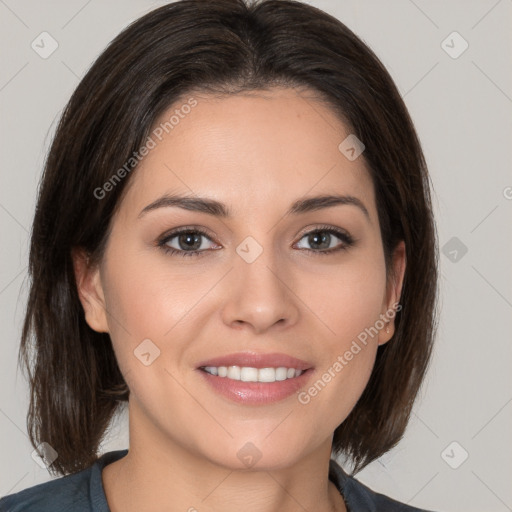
{"points": [[347, 300], [146, 298], [149, 299], [347, 305]]}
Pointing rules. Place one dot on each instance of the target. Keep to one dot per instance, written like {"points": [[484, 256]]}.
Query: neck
{"points": [[160, 474]]}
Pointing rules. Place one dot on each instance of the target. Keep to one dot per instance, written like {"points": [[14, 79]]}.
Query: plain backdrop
{"points": [[456, 454]]}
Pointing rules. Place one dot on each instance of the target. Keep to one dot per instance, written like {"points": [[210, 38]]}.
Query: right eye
{"points": [[188, 242]]}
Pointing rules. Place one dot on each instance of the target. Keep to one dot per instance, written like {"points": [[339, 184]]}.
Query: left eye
{"points": [[323, 239]]}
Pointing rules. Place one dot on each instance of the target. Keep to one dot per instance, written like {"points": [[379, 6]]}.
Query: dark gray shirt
{"points": [[83, 492]]}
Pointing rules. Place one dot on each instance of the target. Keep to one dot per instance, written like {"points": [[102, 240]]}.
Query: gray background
{"points": [[462, 108]]}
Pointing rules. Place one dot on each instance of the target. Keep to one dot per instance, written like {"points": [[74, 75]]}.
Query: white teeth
{"points": [[249, 374], [266, 375], [281, 373], [234, 372]]}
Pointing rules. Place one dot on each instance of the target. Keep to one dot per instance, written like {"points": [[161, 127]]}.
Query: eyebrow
{"points": [[218, 209]]}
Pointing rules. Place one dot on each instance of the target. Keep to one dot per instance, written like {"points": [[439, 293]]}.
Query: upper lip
{"points": [[255, 360]]}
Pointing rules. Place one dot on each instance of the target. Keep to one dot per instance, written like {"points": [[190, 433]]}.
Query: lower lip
{"points": [[256, 393]]}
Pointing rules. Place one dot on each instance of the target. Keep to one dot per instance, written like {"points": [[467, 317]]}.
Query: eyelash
{"points": [[348, 241]]}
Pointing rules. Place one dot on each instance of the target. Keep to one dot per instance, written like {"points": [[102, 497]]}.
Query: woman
{"points": [[234, 235]]}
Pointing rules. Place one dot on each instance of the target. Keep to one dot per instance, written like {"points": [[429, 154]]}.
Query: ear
{"points": [[393, 292], [90, 290]]}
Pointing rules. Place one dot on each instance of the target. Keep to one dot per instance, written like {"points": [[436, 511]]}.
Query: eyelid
{"points": [[171, 233], [322, 227]]}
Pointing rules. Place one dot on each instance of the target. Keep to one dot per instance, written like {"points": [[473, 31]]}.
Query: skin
{"points": [[257, 153]]}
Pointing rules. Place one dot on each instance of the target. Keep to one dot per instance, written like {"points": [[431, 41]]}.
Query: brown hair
{"points": [[220, 47]]}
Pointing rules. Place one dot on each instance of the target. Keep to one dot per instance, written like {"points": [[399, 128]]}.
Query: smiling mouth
{"points": [[251, 374]]}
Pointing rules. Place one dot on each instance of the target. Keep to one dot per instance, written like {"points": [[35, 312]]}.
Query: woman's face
{"points": [[259, 282]]}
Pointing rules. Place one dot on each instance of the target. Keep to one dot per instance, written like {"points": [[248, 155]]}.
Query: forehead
{"points": [[251, 151]]}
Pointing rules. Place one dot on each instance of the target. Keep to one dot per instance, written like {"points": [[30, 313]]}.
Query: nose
{"points": [[260, 295]]}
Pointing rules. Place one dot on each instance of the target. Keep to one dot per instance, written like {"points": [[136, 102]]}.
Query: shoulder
{"points": [[78, 492], [65, 493], [358, 497]]}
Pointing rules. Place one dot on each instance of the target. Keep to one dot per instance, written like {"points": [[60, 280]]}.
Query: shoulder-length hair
{"points": [[217, 47]]}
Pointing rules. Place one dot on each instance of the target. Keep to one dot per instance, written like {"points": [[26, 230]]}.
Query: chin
{"points": [[254, 453]]}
